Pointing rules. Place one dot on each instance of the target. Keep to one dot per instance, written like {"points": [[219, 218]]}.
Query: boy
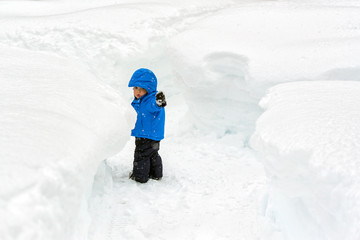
{"points": [[149, 127]]}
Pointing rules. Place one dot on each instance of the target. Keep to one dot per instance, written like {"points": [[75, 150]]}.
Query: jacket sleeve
{"points": [[151, 106]]}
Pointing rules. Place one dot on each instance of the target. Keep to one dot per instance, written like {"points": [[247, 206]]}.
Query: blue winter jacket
{"points": [[150, 120]]}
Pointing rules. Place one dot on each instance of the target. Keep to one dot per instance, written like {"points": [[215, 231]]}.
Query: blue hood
{"points": [[144, 78]]}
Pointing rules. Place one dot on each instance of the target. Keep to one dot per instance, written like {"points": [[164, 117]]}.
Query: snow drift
{"points": [[230, 58], [57, 123], [309, 137]]}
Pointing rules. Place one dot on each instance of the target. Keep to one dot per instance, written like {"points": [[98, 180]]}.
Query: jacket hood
{"points": [[144, 78]]}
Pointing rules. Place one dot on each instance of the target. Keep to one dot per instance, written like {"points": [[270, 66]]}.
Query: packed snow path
{"points": [[211, 190]]}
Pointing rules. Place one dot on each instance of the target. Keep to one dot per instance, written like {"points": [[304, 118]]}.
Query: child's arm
{"points": [[158, 104]]}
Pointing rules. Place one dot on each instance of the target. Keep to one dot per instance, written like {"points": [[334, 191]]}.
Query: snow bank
{"points": [[309, 137], [57, 123], [229, 58]]}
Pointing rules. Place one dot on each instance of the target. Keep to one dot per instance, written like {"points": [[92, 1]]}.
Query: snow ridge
{"points": [[309, 140]]}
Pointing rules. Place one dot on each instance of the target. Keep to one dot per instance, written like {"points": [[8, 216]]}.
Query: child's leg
{"points": [[141, 167], [147, 161], [156, 168]]}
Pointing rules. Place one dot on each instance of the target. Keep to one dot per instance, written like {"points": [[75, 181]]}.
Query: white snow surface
{"points": [[309, 137], [57, 121], [66, 119], [256, 44]]}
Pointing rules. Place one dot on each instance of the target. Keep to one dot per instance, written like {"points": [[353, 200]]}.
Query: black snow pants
{"points": [[147, 161]]}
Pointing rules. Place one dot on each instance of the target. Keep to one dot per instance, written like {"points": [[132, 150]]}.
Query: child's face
{"points": [[139, 92]]}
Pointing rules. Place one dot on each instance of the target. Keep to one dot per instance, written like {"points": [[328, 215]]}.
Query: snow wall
{"points": [[309, 139], [217, 92], [57, 123]]}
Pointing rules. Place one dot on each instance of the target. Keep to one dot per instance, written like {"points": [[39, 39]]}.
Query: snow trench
{"points": [[51, 70], [60, 120]]}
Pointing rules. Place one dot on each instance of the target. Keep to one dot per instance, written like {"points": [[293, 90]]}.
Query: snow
{"points": [[286, 41], [57, 121], [191, 202], [309, 139], [66, 119]]}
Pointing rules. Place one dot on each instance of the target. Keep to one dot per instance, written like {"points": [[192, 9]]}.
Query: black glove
{"points": [[160, 99]]}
